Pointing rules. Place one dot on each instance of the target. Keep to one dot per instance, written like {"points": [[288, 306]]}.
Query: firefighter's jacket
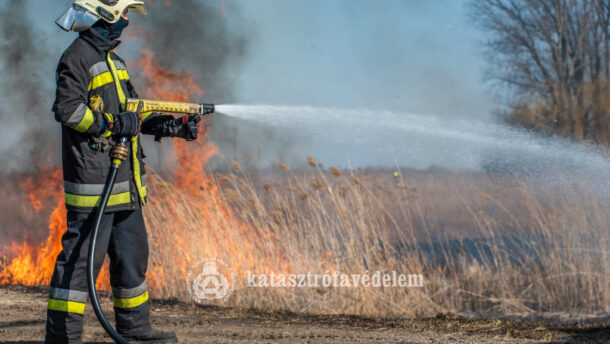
{"points": [[92, 85]]}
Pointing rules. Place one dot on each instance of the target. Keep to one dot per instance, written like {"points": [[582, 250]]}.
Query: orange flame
{"points": [[187, 220], [209, 230], [31, 264]]}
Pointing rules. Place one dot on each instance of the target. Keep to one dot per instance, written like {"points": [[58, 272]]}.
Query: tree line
{"points": [[554, 58]]}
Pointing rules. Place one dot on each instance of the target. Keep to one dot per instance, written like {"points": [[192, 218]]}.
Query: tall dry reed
{"points": [[495, 245]]}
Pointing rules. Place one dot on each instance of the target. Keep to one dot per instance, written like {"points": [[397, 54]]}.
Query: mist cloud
{"points": [[28, 132]]}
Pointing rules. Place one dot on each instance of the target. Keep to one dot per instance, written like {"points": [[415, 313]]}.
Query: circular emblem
{"points": [[209, 280]]}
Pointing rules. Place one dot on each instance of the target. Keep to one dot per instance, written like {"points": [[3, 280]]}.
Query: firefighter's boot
{"points": [[151, 337]]}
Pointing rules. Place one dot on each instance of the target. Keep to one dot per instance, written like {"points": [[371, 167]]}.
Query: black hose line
{"points": [[95, 302]]}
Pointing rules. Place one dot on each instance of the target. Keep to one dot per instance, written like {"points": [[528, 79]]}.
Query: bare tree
{"points": [[554, 55]]}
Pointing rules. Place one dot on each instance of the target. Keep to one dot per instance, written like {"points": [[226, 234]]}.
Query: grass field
{"points": [[487, 245]]}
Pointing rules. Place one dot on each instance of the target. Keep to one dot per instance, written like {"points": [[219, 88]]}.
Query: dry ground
{"points": [[22, 315]]}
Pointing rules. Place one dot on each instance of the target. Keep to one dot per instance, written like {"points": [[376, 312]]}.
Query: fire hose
{"points": [[120, 153]]}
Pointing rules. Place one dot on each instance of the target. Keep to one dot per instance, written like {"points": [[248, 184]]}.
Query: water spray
{"points": [[386, 138]]}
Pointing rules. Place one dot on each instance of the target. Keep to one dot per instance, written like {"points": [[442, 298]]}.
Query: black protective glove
{"points": [[126, 124], [186, 127]]}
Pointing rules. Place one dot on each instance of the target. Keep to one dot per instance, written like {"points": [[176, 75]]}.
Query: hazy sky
{"points": [[407, 55]]}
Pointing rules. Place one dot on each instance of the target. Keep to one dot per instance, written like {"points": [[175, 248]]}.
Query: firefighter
{"points": [[92, 85]]}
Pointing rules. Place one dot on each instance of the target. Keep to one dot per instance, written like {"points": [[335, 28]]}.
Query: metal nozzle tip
{"points": [[207, 109]]}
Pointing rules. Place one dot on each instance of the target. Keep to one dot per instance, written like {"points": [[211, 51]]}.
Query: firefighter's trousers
{"points": [[123, 237]]}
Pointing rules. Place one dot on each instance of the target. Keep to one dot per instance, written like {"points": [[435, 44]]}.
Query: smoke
{"points": [[200, 38], [205, 39], [28, 134]]}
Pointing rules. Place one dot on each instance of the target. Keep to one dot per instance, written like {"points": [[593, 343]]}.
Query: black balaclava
{"points": [[111, 31]]}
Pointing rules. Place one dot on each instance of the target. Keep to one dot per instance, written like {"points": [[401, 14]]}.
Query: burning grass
{"points": [[494, 245]]}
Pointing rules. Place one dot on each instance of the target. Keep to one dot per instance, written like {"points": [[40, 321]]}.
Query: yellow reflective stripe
{"points": [[134, 141], [66, 306], [117, 82], [110, 118], [145, 115], [93, 201], [100, 80], [131, 302], [123, 75], [136, 169], [106, 78], [86, 122]]}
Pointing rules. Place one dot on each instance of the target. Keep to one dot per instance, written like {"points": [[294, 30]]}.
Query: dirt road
{"points": [[22, 317]]}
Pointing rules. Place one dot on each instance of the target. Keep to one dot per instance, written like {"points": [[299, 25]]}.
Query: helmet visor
{"points": [[76, 19]]}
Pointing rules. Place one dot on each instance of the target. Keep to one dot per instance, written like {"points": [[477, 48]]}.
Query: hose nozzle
{"points": [[207, 109]]}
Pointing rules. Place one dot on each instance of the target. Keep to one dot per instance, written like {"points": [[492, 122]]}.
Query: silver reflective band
{"points": [[77, 116], [129, 293], [76, 19], [68, 295], [94, 189]]}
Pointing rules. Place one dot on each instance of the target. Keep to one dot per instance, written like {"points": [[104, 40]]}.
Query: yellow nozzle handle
{"points": [[171, 107]]}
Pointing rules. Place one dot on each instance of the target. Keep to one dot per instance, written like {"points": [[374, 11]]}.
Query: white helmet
{"points": [[84, 13]]}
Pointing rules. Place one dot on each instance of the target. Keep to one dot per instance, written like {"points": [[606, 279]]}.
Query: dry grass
{"points": [[495, 245]]}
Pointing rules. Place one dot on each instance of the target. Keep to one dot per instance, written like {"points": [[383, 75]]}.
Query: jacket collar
{"points": [[100, 43]]}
